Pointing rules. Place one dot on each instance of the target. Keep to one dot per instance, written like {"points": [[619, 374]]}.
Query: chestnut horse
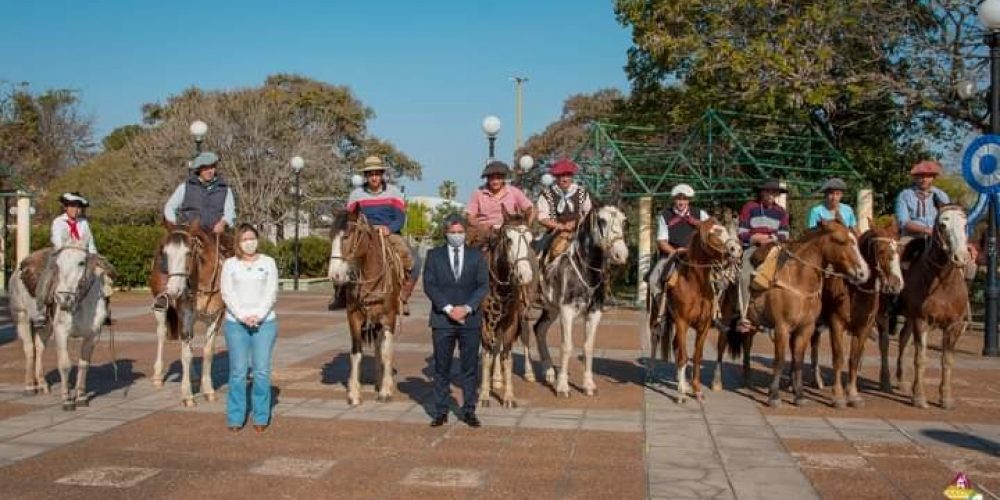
{"points": [[512, 267], [363, 261], [188, 292], [853, 309], [791, 303], [935, 296], [702, 274]]}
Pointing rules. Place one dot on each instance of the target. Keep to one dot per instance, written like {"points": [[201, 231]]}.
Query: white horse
{"points": [[80, 311], [22, 303], [190, 292], [574, 284]]}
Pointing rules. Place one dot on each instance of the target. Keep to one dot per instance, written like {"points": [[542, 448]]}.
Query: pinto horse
{"points": [[693, 301], [854, 309], [791, 304], [935, 297], [512, 264], [363, 261], [573, 284], [189, 291]]}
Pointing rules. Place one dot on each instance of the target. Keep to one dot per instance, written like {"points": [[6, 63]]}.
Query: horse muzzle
{"points": [[340, 272], [66, 300], [619, 253], [859, 274], [523, 273], [892, 286]]}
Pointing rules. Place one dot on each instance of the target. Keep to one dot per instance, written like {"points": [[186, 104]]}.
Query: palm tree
{"points": [[448, 190]]}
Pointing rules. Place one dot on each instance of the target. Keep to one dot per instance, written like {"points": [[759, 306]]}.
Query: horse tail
{"points": [[173, 323], [734, 341]]}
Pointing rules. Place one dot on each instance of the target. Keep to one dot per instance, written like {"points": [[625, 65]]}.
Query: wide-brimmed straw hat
{"points": [[372, 164]]}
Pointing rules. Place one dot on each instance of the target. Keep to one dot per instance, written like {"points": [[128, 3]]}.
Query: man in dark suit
{"points": [[456, 280]]}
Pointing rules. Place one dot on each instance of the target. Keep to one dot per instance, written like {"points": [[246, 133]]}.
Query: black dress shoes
{"points": [[439, 420], [472, 420]]}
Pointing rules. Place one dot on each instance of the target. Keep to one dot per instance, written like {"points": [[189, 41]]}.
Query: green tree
{"points": [[448, 190], [418, 223]]}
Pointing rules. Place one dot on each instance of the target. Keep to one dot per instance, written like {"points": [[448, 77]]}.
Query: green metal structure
{"points": [[724, 156]]}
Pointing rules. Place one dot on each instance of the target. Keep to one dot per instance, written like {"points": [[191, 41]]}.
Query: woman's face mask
{"points": [[455, 239], [249, 247]]}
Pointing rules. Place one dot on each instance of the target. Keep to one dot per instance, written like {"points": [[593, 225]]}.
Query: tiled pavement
{"points": [[612, 446]]}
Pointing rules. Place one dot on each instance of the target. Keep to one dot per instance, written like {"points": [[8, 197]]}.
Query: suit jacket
{"points": [[443, 289]]}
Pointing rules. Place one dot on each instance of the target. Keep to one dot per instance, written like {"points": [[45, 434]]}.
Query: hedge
{"points": [[131, 248]]}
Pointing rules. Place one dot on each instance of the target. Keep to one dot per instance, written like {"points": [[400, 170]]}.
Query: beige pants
{"points": [[403, 250]]}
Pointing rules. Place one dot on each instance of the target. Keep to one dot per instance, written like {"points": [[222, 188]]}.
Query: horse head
{"points": [[715, 240], [880, 248], [349, 245], [179, 252], [516, 244], [208, 264], [949, 233], [73, 273], [607, 229], [839, 248]]}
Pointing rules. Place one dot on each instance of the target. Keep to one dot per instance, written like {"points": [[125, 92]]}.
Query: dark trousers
{"points": [[468, 352]]}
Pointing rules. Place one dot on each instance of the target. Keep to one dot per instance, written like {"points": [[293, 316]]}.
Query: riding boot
{"points": [[661, 307], [107, 306], [339, 299], [405, 292]]}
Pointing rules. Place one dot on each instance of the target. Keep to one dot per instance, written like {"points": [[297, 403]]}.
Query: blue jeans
{"points": [[249, 346]]}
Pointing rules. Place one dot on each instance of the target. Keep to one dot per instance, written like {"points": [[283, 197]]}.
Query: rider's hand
{"points": [[219, 227], [384, 230]]}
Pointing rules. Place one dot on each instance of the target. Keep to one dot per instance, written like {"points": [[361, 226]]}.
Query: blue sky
{"points": [[431, 70]]}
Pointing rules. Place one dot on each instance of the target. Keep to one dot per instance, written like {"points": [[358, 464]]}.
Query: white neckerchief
{"points": [[565, 198]]}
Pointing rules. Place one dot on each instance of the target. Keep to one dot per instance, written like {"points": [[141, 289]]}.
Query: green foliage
{"points": [[119, 137], [314, 256], [102, 180], [418, 223], [448, 190], [437, 221]]}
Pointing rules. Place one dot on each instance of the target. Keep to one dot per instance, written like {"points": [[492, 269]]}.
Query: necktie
{"points": [[74, 231], [455, 265]]}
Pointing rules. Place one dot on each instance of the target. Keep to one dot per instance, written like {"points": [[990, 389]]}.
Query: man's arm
{"points": [[431, 286], [229, 209], [663, 236], [173, 205]]}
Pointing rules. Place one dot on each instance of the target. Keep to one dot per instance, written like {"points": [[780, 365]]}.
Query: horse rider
{"points": [[384, 207], [561, 206], [762, 222], [68, 227], [833, 192], [206, 196], [675, 227], [917, 209], [485, 208]]}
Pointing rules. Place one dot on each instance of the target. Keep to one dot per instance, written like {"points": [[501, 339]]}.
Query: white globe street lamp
{"points": [[491, 127], [198, 130], [526, 162], [297, 164], [989, 14]]}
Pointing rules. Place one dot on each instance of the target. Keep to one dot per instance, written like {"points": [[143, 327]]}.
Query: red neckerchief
{"points": [[74, 230]]}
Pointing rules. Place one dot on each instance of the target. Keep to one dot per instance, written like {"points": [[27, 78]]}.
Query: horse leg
{"points": [[720, 348], [904, 339], [41, 384], [837, 340], [529, 367], [508, 383], [62, 341], [28, 345], [681, 359], [593, 319], [497, 376], [949, 338], [699, 349], [161, 337], [919, 360], [486, 360], [385, 360], [814, 355], [857, 352], [207, 356], [83, 367], [654, 343], [541, 329], [747, 347], [800, 342], [885, 379], [187, 397], [566, 314], [780, 347], [354, 379]]}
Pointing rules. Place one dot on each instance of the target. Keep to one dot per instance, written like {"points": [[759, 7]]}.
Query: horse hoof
{"points": [[69, 406], [885, 386], [83, 402], [158, 383], [354, 401], [509, 403], [948, 404], [550, 376], [29, 392], [682, 399], [839, 403], [44, 389], [590, 392], [856, 403], [484, 403], [497, 386], [211, 397], [700, 396], [529, 377], [800, 402], [383, 398], [716, 386], [188, 403], [563, 393], [774, 403], [920, 403]]}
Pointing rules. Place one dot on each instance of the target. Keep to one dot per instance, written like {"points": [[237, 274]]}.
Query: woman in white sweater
{"points": [[250, 290]]}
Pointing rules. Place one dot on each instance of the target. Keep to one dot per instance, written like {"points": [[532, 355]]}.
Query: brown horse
{"points": [[187, 292], [936, 296], [702, 274], [363, 261], [791, 303], [512, 265], [853, 309]]}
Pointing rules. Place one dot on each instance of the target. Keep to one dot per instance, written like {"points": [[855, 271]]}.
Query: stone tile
{"points": [[939, 434], [313, 412], [827, 433], [600, 414], [837, 461], [864, 424], [610, 425], [14, 452], [560, 413], [534, 422], [51, 437], [746, 419], [704, 482], [682, 439], [90, 425], [372, 416], [739, 457], [496, 420], [443, 477], [110, 477], [750, 431], [9, 432], [123, 414], [293, 467], [748, 443], [771, 482], [810, 422], [877, 436]]}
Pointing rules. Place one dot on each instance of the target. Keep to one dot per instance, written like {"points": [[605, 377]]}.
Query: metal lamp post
{"points": [[198, 130], [524, 165], [491, 127], [989, 15], [297, 164]]}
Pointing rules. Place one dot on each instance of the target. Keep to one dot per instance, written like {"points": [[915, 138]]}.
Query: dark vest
{"points": [[682, 229], [553, 194], [204, 201]]}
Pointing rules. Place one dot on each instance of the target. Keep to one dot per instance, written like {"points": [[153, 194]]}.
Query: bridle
{"points": [[603, 241], [83, 286], [880, 274], [521, 240], [190, 267]]}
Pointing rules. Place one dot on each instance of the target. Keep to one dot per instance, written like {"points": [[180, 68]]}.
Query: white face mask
{"points": [[455, 240], [249, 247]]}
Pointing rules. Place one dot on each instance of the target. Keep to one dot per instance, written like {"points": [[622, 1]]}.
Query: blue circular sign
{"points": [[981, 164]]}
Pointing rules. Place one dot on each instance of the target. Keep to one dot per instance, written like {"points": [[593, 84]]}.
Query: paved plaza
{"points": [[632, 440]]}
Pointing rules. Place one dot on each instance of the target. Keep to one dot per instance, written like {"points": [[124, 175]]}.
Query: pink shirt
{"points": [[484, 207]]}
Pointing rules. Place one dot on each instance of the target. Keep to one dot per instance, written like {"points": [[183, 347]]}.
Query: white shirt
{"points": [[60, 233], [250, 288], [544, 208], [663, 231]]}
